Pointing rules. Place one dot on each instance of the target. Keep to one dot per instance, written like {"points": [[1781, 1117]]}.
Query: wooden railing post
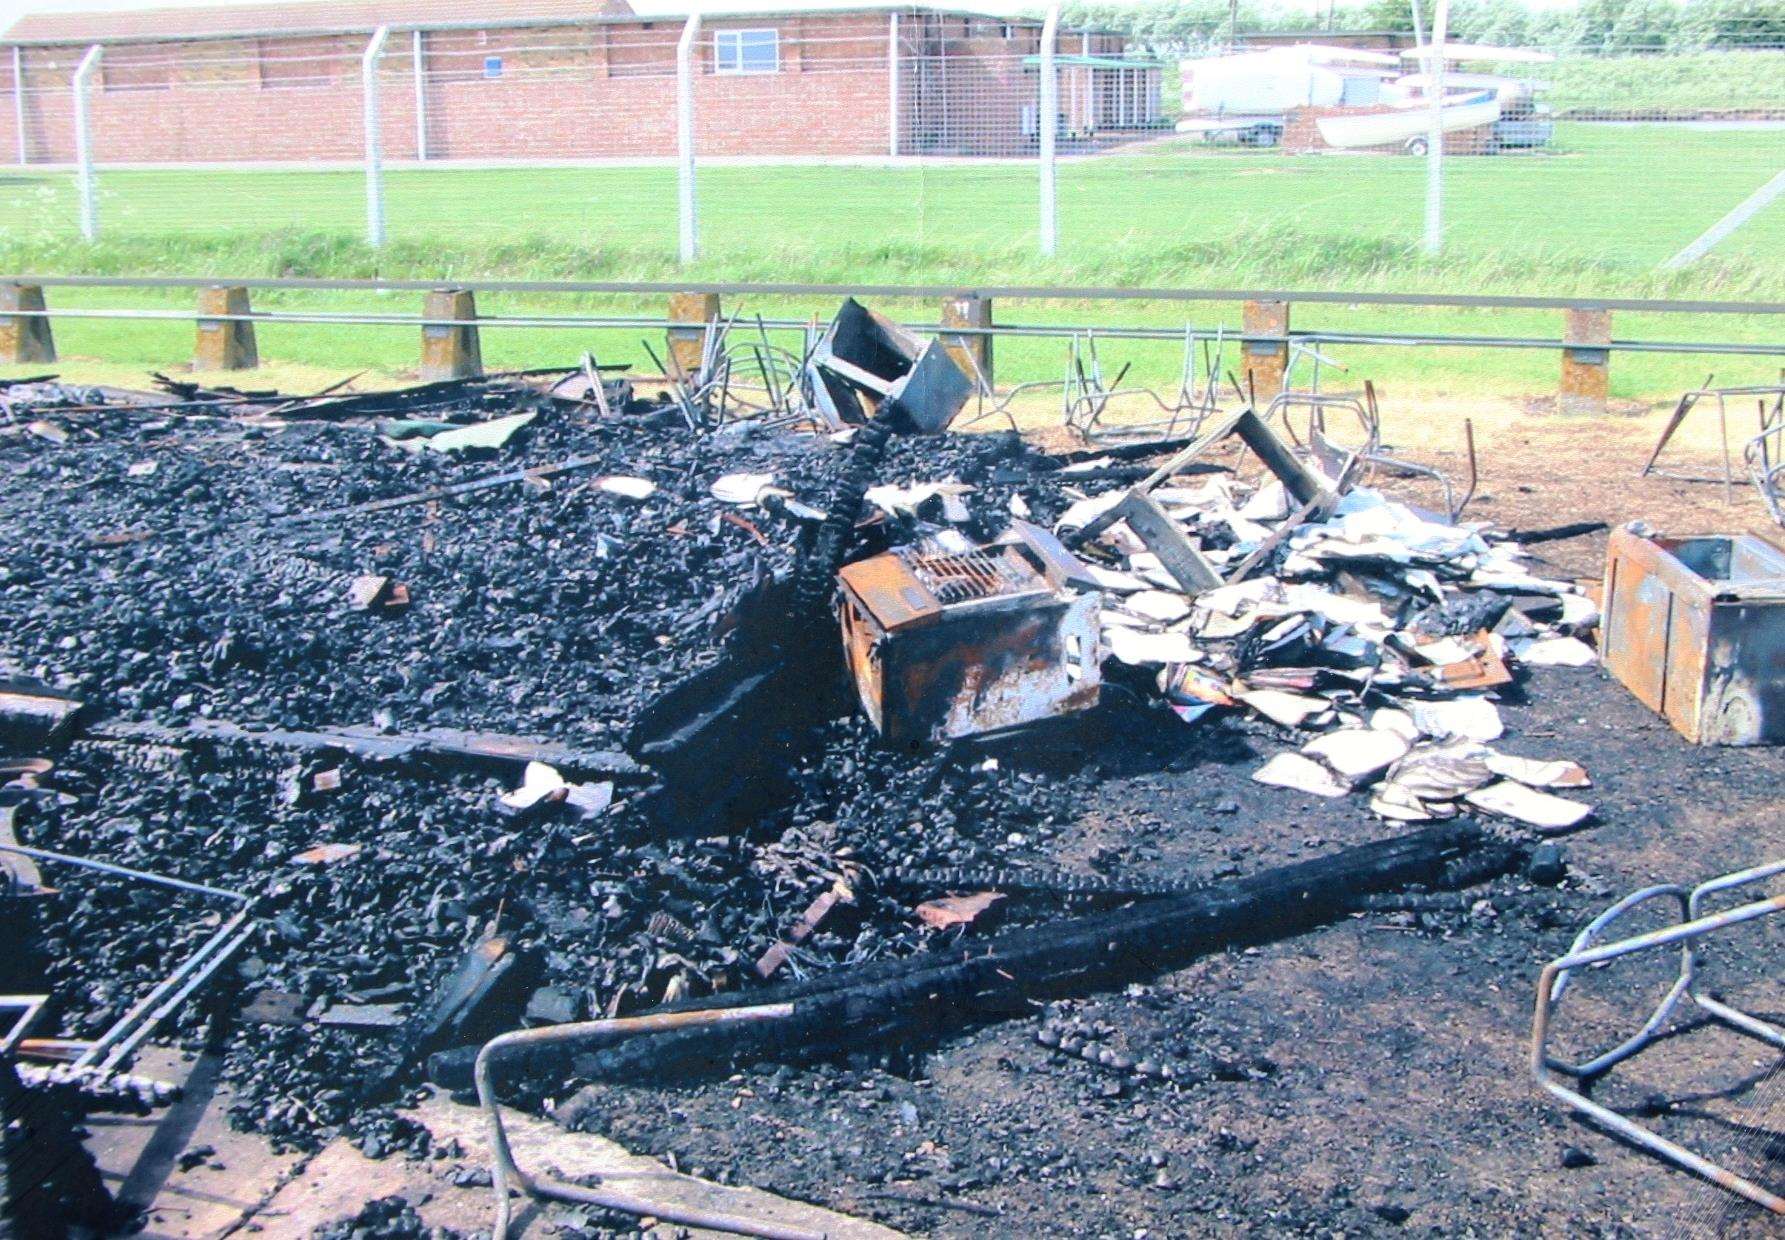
{"points": [[1267, 360], [224, 343], [1586, 361], [25, 338], [449, 351]]}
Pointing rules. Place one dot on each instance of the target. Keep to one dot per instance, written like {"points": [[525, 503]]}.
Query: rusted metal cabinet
{"points": [[949, 644], [1695, 628]]}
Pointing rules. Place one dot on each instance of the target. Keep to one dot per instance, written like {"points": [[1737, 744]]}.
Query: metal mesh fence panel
{"points": [[813, 143]]}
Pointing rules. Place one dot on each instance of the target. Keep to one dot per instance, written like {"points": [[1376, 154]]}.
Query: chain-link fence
{"points": [[810, 139]]}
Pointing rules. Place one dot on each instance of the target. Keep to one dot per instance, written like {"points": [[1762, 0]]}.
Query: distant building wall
{"points": [[553, 92]]}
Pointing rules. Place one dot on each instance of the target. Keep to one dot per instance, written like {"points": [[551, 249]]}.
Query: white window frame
{"points": [[736, 39]]}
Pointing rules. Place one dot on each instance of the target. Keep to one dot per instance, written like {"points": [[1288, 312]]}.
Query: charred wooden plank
{"points": [[908, 1001]]}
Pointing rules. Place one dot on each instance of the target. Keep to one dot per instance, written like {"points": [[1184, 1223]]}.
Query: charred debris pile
{"points": [[529, 701]]}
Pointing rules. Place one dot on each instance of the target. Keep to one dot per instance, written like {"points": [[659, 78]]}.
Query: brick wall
{"points": [[573, 92]]}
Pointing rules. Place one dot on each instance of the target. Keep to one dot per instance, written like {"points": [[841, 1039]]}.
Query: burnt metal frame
{"points": [[505, 1172], [1769, 418], [1369, 417], [119, 1042], [1180, 557], [1586, 952]]}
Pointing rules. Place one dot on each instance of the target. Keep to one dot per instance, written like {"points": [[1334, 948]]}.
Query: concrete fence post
{"points": [[25, 338], [368, 76], [688, 232], [450, 347], [972, 353], [687, 343], [225, 337], [1586, 361], [1434, 64], [18, 103], [1048, 118], [86, 183], [1267, 359]]}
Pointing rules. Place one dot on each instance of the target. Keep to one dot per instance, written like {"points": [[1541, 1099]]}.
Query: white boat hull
{"points": [[1394, 128]]}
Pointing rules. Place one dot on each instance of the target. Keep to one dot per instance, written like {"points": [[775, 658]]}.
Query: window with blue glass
{"points": [[746, 51]]}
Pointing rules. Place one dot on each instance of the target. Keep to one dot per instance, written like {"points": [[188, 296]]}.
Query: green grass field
{"points": [[1593, 214]]}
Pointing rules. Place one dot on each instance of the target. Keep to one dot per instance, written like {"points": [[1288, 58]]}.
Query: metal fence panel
{"points": [[918, 139]]}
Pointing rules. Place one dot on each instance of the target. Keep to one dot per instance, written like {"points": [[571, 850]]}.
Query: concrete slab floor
{"points": [[196, 1178]]}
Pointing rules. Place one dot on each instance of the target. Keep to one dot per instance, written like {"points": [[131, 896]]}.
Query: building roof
{"points": [[314, 17], [317, 17]]}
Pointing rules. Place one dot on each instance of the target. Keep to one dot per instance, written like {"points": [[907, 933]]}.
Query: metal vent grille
{"points": [[970, 575]]}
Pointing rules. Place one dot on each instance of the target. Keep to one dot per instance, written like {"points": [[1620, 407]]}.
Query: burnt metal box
{"points": [[946, 643], [1695, 628]]}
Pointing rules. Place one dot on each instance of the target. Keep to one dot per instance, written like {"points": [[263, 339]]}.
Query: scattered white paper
{"points": [[1472, 718], [1290, 710], [1554, 652], [1534, 773], [1541, 810], [1358, 754], [1138, 648], [1291, 770]]}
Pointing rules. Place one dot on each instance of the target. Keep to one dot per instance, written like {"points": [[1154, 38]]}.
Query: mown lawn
{"points": [[1595, 213]]}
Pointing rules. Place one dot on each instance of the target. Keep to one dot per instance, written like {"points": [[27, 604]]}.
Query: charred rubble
{"points": [[394, 672]]}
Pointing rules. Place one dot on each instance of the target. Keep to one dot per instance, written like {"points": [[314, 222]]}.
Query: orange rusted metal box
{"points": [[949, 642], [1695, 628]]}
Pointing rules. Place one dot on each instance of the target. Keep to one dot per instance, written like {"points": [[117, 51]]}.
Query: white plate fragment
{"points": [[742, 488], [1291, 770], [1471, 718], [1357, 753], [1527, 805], [631, 488], [1534, 773]]}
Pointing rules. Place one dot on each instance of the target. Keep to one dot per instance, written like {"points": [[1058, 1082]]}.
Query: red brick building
{"points": [[550, 80]]}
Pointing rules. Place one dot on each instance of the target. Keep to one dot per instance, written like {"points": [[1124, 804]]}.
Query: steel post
{"points": [[18, 103], [87, 186], [1048, 119], [892, 84], [418, 60], [368, 76], [689, 234], [1434, 62]]}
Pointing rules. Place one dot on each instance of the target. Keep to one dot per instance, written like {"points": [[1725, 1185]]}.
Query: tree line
{"points": [[1595, 27]]}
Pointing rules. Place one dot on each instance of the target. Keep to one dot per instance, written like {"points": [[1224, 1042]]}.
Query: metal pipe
{"points": [[1740, 214], [87, 187], [1019, 292], [368, 77], [1036, 330], [506, 1171], [216, 957], [124, 871], [18, 103], [419, 68], [892, 84], [147, 1012], [687, 229], [1049, 120]]}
